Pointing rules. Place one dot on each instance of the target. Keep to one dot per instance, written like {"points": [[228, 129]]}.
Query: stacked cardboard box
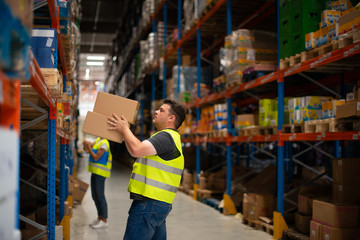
{"points": [[352, 105], [306, 108], [334, 221], [346, 184], [105, 105], [305, 205]]}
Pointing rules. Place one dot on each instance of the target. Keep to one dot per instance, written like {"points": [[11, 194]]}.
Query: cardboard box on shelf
{"points": [[105, 105], [329, 233], [80, 190], [256, 205], [346, 193], [335, 215], [346, 170], [348, 110], [315, 231], [302, 223], [349, 22], [186, 60]]}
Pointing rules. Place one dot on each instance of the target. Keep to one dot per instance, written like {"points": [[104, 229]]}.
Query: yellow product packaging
{"points": [[329, 17], [311, 40], [311, 114], [334, 31]]}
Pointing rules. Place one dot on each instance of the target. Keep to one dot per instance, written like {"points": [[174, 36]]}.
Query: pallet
{"points": [[295, 60], [232, 84], [205, 193], [348, 124], [284, 63], [259, 225], [251, 131], [214, 203], [293, 128], [218, 133], [321, 50], [209, 5], [294, 235], [321, 126], [268, 130]]}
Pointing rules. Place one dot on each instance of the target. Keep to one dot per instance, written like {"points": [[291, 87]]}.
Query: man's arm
{"points": [[135, 147]]}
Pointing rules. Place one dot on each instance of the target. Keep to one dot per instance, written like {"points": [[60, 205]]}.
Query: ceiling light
{"points": [[95, 63], [102, 58], [97, 83]]}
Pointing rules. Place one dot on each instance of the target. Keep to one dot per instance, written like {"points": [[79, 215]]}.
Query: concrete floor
{"points": [[189, 219]]}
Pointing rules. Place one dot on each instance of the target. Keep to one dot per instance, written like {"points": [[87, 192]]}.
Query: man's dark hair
{"points": [[178, 110]]}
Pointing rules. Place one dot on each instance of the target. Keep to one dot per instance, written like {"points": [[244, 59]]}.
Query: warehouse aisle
{"points": [[189, 220]]}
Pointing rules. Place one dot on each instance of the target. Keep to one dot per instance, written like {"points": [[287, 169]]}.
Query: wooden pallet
{"points": [[293, 128], [251, 131], [284, 63], [218, 134], [268, 130], [257, 224], [294, 235], [209, 5], [321, 126], [232, 84], [295, 60], [205, 193], [321, 50], [348, 124]]}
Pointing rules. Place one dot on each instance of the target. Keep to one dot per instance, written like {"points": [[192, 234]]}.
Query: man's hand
{"points": [[118, 124], [87, 145]]}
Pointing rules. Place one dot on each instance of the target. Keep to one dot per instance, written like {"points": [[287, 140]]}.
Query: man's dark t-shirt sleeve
{"points": [[165, 146]]}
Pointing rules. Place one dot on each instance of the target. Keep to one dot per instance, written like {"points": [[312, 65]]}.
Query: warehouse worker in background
{"points": [[156, 173], [100, 162]]}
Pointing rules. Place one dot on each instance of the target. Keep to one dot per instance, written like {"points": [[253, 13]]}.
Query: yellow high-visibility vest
{"points": [[101, 169], [156, 178]]}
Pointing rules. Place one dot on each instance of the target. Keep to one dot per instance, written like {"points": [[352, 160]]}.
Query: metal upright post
{"points": [[198, 60], [62, 179], [279, 222], [178, 48], [164, 69], [229, 206], [153, 90], [51, 174]]}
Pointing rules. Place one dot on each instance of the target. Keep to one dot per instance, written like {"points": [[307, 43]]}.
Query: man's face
{"points": [[162, 115]]}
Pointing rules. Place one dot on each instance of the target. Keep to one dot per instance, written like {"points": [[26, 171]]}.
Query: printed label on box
{"points": [[358, 106], [49, 42]]}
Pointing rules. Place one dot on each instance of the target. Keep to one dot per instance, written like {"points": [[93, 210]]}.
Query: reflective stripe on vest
{"points": [[155, 164], [156, 178], [154, 183], [100, 169]]}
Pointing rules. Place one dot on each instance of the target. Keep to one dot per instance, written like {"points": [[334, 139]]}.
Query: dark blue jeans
{"points": [[98, 194], [147, 220]]}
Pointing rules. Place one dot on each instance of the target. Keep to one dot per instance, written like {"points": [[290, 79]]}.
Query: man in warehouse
{"points": [[100, 163], [156, 173]]}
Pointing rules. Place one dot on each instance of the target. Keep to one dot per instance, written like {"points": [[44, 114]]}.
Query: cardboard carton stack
{"points": [[105, 105], [346, 180], [305, 205], [334, 221]]}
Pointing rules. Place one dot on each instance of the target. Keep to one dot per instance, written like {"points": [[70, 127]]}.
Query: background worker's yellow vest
{"points": [[101, 169], [155, 178]]}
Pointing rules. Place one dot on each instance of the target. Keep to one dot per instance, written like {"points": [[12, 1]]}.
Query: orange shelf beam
{"points": [[330, 136]]}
